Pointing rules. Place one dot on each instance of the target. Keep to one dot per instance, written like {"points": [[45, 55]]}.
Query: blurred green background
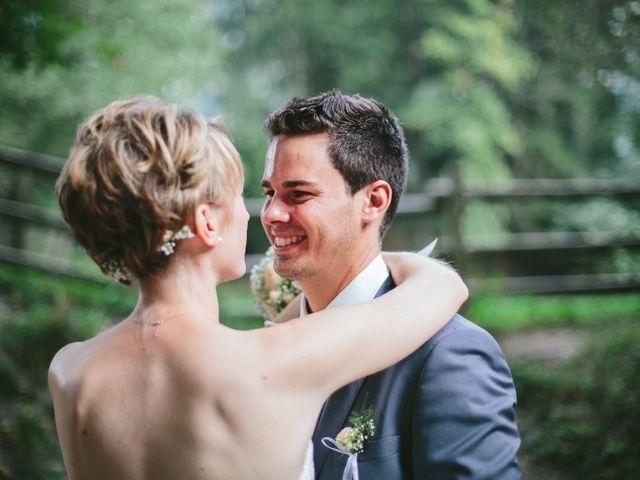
{"points": [[523, 122]]}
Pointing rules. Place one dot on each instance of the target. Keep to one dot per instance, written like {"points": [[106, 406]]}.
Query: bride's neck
{"points": [[183, 286]]}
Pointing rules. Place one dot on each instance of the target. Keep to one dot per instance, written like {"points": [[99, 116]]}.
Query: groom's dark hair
{"points": [[366, 142]]}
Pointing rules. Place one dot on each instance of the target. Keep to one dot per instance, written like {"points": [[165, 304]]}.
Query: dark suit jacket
{"points": [[444, 412]]}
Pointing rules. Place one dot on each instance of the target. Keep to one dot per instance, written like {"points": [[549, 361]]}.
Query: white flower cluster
{"points": [[169, 246], [272, 292], [352, 439], [117, 271]]}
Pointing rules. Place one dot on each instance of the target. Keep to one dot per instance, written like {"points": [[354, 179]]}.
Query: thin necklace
{"points": [[161, 320]]}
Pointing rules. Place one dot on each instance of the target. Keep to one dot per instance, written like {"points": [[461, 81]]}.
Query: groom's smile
{"points": [[281, 243], [309, 213]]}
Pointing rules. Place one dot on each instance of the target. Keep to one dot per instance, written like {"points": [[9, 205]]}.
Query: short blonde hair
{"points": [[135, 174]]}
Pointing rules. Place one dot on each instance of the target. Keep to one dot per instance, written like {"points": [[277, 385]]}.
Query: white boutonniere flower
{"points": [[353, 438]]}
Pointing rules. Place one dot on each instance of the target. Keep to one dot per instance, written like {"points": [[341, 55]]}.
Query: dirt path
{"points": [[548, 346]]}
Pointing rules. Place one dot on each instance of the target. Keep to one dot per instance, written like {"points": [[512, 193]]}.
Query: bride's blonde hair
{"points": [[136, 172]]}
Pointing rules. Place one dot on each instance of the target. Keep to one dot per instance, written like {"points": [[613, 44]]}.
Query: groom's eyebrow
{"points": [[299, 183], [290, 184]]}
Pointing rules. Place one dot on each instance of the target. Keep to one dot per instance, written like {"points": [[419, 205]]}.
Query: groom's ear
{"points": [[377, 198], [207, 222]]}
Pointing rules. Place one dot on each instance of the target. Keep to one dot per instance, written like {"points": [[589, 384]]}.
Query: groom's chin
{"points": [[281, 267], [297, 271], [285, 267]]}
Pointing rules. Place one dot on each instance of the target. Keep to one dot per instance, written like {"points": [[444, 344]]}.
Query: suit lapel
{"points": [[338, 407], [332, 420]]}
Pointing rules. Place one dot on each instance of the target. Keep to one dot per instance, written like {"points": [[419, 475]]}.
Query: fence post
{"points": [[455, 212], [19, 185]]}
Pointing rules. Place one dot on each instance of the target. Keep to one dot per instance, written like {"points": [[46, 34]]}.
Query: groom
{"points": [[334, 173]]}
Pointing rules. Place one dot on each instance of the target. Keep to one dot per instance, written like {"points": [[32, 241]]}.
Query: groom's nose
{"points": [[274, 210]]}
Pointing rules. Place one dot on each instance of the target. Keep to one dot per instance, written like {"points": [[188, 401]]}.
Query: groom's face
{"points": [[309, 214]]}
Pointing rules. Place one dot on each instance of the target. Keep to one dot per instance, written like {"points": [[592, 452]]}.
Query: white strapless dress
{"points": [[308, 472]]}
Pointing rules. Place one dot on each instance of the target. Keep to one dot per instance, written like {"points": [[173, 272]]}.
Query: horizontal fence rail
{"points": [[32, 161], [519, 188], [441, 196]]}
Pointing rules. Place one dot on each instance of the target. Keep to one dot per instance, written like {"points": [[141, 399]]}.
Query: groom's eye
{"points": [[267, 193], [300, 194]]}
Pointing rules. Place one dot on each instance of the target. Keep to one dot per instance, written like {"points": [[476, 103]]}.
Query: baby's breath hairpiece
{"points": [[117, 271], [169, 246]]}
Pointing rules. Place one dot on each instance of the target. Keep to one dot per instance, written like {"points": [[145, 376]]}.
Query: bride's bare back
{"points": [[187, 398]]}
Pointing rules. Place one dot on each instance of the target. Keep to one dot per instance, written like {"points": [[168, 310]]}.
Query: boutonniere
{"points": [[272, 292], [352, 440]]}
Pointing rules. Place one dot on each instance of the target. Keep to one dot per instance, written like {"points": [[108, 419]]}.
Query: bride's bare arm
{"points": [[292, 310], [333, 347]]}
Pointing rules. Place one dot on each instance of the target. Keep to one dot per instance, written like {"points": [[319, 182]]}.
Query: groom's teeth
{"points": [[283, 242]]}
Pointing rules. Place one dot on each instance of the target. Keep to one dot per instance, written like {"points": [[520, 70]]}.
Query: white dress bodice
{"points": [[308, 472]]}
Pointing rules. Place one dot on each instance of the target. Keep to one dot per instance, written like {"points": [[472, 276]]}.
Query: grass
{"points": [[510, 313], [35, 286]]}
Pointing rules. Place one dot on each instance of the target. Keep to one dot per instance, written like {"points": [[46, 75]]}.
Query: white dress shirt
{"points": [[361, 289]]}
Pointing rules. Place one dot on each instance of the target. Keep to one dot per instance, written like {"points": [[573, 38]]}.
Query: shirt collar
{"points": [[362, 288]]}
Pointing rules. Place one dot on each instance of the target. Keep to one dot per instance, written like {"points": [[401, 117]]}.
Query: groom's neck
{"points": [[322, 288]]}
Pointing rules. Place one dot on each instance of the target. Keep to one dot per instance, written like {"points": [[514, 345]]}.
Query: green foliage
{"points": [[626, 261], [459, 107], [164, 48], [35, 286], [484, 218], [580, 107], [426, 60], [583, 417], [40, 314], [33, 32], [597, 215], [509, 313]]}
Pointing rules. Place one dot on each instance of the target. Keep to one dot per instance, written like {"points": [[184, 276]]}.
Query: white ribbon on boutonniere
{"points": [[351, 469]]}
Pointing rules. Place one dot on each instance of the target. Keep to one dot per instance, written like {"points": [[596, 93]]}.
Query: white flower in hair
{"points": [[117, 271], [169, 246]]}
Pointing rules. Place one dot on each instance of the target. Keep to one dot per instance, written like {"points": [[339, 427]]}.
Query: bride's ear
{"points": [[208, 224]]}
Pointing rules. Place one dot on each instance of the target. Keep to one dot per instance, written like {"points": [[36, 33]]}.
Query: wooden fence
{"points": [[516, 262]]}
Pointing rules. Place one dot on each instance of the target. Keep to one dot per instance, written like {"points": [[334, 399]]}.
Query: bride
{"points": [[154, 193]]}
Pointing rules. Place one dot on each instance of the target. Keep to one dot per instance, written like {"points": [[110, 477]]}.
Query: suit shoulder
{"points": [[460, 331]]}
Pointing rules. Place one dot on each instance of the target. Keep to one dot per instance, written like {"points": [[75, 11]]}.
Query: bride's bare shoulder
{"points": [[65, 371], [69, 364]]}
